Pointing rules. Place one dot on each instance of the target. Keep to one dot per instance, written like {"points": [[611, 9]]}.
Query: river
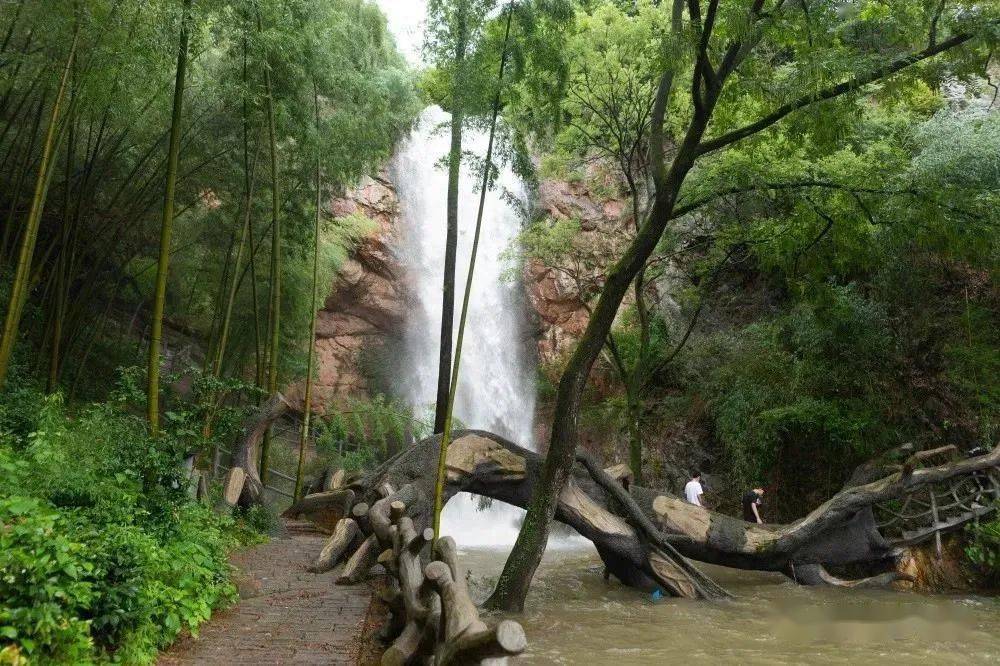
{"points": [[575, 617]]}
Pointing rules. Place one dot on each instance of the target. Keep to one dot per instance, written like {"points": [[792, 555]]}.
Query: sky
{"points": [[406, 21]]}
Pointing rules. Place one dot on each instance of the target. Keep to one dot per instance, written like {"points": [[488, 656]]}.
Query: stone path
{"points": [[285, 614]]}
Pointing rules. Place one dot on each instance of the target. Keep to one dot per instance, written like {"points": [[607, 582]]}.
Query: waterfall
{"points": [[496, 389], [497, 381]]}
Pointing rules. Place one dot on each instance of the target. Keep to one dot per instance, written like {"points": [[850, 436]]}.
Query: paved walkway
{"points": [[285, 614]]}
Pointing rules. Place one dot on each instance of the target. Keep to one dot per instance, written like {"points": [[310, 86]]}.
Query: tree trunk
{"points": [[166, 227], [515, 579], [274, 309], [634, 410], [644, 535], [248, 451], [451, 239], [520, 568]]}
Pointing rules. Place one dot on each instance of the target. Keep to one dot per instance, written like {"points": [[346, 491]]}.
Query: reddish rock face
{"points": [[364, 308], [554, 292]]}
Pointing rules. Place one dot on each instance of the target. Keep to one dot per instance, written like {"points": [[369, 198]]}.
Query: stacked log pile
{"points": [[433, 618]]}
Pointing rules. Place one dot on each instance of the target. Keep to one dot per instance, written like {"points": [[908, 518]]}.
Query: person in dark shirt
{"points": [[751, 502]]}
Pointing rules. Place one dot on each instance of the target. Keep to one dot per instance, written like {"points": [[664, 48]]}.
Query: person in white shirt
{"points": [[693, 490]]}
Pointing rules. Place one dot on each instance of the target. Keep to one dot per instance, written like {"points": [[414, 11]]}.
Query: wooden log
{"points": [[246, 454], [457, 608], [417, 544], [388, 560], [380, 518], [335, 480], [447, 551], [409, 570], [815, 574], [316, 501], [417, 639], [232, 488], [405, 649], [360, 515], [914, 460], [323, 509], [397, 613], [621, 473], [675, 581], [344, 534], [360, 563], [507, 639]]}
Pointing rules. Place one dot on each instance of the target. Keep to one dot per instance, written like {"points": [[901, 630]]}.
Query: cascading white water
{"points": [[496, 385], [496, 390]]}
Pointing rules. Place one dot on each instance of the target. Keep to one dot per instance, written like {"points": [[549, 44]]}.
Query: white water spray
{"points": [[496, 389]]}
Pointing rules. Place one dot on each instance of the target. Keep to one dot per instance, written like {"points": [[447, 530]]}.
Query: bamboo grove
{"points": [[164, 166]]}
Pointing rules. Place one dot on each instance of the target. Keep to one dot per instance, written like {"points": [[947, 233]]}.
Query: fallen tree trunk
{"points": [[246, 455], [343, 536], [485, 464], [643, 535]]}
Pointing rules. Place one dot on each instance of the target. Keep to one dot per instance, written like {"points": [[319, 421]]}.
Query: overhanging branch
{"points": [[831, 92]]}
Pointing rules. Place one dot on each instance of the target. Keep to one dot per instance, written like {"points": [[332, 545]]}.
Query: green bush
{"points": [[799, 397], [104, 557], [983, 549], [46, 585], [257, 520]]}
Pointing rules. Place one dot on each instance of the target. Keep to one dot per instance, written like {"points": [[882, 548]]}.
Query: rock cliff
{"points": [[363, 311], [554, 291]]}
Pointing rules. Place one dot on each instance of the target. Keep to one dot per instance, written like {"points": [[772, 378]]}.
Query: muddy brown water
{"points": [[575, 617]]}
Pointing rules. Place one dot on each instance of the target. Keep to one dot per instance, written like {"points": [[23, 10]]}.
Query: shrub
{"points": [[46, 584], [983, 549], [799, 397], [103, 555]]}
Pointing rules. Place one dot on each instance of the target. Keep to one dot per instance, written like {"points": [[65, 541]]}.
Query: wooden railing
{"points": [[222, 464], [938, 508]]}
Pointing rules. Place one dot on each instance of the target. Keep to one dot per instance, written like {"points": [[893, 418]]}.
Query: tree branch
{"points": [[855, 83]]}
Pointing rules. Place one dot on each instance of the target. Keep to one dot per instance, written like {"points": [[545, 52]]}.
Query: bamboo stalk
{"points": [[307, 400], [62, 270], [274, 309], [159, 298], [19, 292], [446, 433]]}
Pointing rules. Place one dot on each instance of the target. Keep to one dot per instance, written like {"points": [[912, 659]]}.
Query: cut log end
{"points": [[511, 638], [507, 639]]}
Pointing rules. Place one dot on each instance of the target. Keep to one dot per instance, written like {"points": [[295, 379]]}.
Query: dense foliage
{"points": [[827, 287], [95, 257], [983, 550], [104, 556]]}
